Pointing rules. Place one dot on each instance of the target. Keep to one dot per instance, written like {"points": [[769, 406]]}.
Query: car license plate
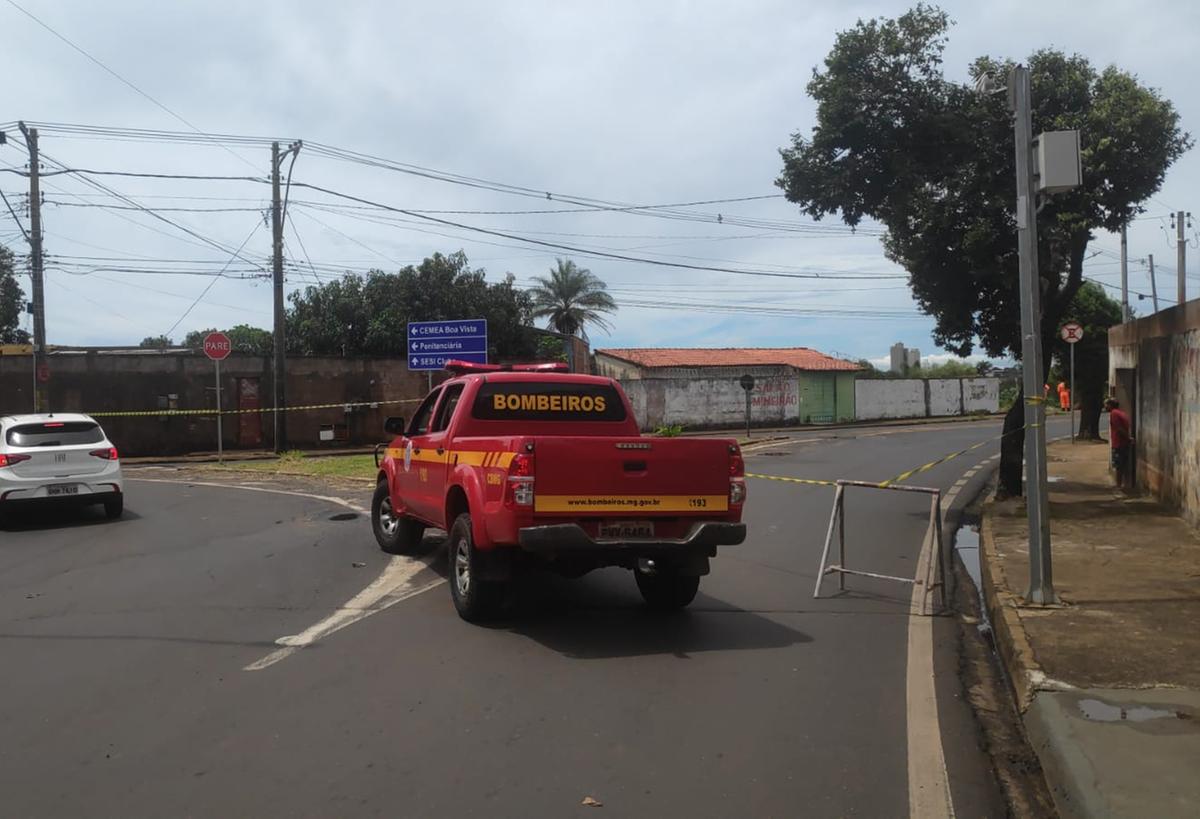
{"points": [[625, 530], [62, 489]]}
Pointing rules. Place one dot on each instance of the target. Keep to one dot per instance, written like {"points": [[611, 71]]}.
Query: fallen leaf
{"points": [[592, 803]]}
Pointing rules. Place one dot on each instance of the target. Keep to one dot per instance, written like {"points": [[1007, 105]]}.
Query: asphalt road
{"points": [[122, 689]]}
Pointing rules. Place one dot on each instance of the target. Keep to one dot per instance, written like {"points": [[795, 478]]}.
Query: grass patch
{"points": [[320, 466]]}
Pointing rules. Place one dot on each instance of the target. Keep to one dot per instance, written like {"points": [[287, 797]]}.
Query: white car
{"points": [[62, 458]]}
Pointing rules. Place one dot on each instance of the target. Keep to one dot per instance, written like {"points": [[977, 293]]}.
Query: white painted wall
{"points": [[945, 396], [712, 402], [981, 395], [917, 398], [876, 398]]}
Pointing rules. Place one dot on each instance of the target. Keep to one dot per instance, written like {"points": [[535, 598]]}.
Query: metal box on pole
{"points": [[1057, 163]]}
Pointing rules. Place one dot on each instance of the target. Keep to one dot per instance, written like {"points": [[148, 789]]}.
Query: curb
{"points": [[1012, 644], [1068, 776]]}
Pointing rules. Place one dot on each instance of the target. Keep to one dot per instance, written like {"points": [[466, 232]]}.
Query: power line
{"points": [[574, 249], [15, 218], [204, 292]]}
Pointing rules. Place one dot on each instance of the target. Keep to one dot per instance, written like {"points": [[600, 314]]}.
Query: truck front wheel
{"points": [[475, 600], [396, 534], [667, 590]]}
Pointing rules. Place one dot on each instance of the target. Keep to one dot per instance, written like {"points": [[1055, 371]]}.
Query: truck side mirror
{"points": [[394, 425]]}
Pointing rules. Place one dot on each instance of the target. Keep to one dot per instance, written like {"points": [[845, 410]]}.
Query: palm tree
{"points": [[571, 298]]}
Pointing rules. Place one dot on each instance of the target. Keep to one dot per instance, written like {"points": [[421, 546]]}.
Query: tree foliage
{"points": [[156, 343], [12, 302], [571, 298], [1093, 309], [933, 162], [243, 338], [369, 315]]}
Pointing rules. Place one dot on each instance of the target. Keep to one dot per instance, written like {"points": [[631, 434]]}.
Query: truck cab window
{"points": [[420, 421], [446, 410]]}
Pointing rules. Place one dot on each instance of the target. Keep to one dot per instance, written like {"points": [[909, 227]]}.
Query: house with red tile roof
{"points": [[701, 386]]}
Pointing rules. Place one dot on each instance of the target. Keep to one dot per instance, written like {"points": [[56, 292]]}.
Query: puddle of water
{"points": [[966, 544], [1098, 711]]}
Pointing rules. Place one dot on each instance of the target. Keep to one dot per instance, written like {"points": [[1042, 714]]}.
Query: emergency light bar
{"points": [[466, 367]]}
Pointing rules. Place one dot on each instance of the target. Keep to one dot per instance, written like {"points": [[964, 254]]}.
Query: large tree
{"points": [[156, 343], [12, 302], [933, 162], [571, 298], [243, 337], [369, 315], [1096, 312]]}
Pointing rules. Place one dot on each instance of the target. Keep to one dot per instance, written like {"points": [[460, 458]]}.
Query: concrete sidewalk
{"points": [[1109, 682]]}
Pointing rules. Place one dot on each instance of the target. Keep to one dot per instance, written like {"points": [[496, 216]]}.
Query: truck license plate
{"points": [[626, 530], [62, 489]]}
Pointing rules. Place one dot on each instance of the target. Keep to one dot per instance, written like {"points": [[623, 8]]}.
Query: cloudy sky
{"points": [[618, 102]]}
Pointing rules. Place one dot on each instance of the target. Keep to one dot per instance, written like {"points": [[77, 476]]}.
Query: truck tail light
{"points": [[520, 481], [737, 475], [737, 492], [109, 454], [9, 460]]}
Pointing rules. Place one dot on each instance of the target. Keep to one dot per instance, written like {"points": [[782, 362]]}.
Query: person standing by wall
{"points": [[1121, 441]]}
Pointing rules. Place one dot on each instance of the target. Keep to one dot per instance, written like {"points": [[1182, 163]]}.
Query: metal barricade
{"points": [[925, 574]]}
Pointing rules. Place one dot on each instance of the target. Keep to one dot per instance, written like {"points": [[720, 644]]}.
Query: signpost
{"points": [[1072, 332], [217, 347], [432, 343], [747, 383]]}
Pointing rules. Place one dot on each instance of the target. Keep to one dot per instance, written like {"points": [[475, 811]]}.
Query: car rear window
{"points": [[547, 401], [55, 433]]}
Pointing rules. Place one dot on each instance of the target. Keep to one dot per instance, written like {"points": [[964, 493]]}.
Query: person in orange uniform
{"points": [[1064, 396]]}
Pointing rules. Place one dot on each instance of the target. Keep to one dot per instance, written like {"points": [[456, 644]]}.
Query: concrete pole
{"points": [[280, 368], [1181, 264], [1041, 581], [1153, 284], [1124, 275], [37, 269]]}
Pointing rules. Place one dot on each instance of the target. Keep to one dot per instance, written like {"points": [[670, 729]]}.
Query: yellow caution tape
{"points": [[903, 476], [168, 412]]}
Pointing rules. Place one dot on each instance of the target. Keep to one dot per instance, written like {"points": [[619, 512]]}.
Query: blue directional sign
{"points": [[432, 343]]}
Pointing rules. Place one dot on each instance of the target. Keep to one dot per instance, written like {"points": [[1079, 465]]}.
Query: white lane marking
{"points": [[327, 498], [395, 583]]}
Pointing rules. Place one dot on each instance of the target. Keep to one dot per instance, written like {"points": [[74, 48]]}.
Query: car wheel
{"points": [[113, 509], [475, 600], [395, 533], [666, 590]]}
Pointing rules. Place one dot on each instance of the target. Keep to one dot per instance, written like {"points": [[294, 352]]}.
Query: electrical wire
{"points": [[15, 218], [216, 278]]}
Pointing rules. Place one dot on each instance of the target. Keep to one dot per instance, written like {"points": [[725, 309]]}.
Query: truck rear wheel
{"points": [[475, 600], [667, 590], [395, 533]]}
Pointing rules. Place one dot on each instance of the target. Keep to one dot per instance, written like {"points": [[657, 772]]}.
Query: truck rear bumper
{"points": [[568, 538]]}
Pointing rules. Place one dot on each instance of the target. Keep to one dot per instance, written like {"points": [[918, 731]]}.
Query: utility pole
{"points": [[279, 375], [1041, 580], [1124, 275], [1181, 249], [1153, 284], [40, 404]]}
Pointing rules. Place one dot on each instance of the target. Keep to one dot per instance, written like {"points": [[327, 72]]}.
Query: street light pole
{"points": [[1041, 580]]}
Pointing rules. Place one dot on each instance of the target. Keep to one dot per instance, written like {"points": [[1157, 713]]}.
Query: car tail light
{"points": [[520, 480], [109, 454], [9, 460]]}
